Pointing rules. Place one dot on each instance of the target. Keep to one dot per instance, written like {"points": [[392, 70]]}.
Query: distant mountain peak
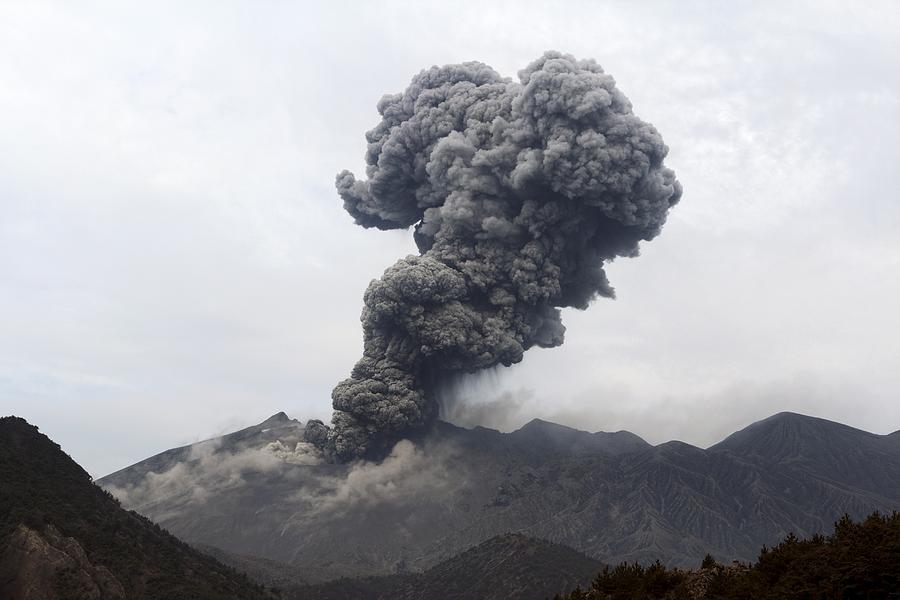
{"points": [[280, 417], [789, 434], [540, 433], [794, 418], [787, 416], [678, 445], [547, 426]]}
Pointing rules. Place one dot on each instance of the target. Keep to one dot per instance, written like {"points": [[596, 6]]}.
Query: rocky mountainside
{"points": [[263, 492], [62, 537]]}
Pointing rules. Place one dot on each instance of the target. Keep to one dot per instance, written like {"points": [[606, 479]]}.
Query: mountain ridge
{"points": [[453, 488], [538, 424]]}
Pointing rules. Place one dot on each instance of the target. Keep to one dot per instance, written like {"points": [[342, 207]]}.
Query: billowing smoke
{"points": [[518, 192]]}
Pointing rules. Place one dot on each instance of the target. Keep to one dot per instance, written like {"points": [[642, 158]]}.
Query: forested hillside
{"points": [[64, 536], [859, 560]]}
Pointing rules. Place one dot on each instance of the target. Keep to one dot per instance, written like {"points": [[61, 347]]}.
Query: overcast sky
{"points": [[175, 262]]}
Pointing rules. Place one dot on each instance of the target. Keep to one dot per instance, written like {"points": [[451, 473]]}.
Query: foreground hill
{"points": [[506, 567], [62, 537], [611, 496], [858, 560]]}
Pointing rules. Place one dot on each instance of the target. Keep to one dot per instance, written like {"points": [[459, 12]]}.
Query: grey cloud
{"points": [[519, 193]]}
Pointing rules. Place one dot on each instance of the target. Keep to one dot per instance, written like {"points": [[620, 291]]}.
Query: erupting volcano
{"points": [[519, 192]]}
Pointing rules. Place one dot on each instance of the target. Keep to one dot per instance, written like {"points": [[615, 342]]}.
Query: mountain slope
{"points": [[276, 427], [610, 496], [64, 537], [550, 437], [830, 451]]}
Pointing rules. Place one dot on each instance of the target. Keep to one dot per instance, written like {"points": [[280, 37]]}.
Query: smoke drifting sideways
{"points": [[519, 192]]}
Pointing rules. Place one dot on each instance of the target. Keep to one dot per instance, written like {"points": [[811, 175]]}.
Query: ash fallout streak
{"points": [[518, 192]]}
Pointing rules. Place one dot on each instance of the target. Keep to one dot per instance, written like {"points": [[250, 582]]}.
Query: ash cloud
{"points": [[503, 412], [519, 192], [209, 470], [478, 400], [404, 476], [406, 473]]}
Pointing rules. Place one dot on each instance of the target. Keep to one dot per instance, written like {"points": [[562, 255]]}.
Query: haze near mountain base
{"points": [[519, 192]]}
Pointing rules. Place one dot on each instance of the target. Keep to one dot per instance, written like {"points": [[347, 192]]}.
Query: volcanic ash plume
{"points": [[518, 193]]}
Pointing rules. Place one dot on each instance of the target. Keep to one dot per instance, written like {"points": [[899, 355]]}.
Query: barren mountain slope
{"points": [[611, 496]]}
